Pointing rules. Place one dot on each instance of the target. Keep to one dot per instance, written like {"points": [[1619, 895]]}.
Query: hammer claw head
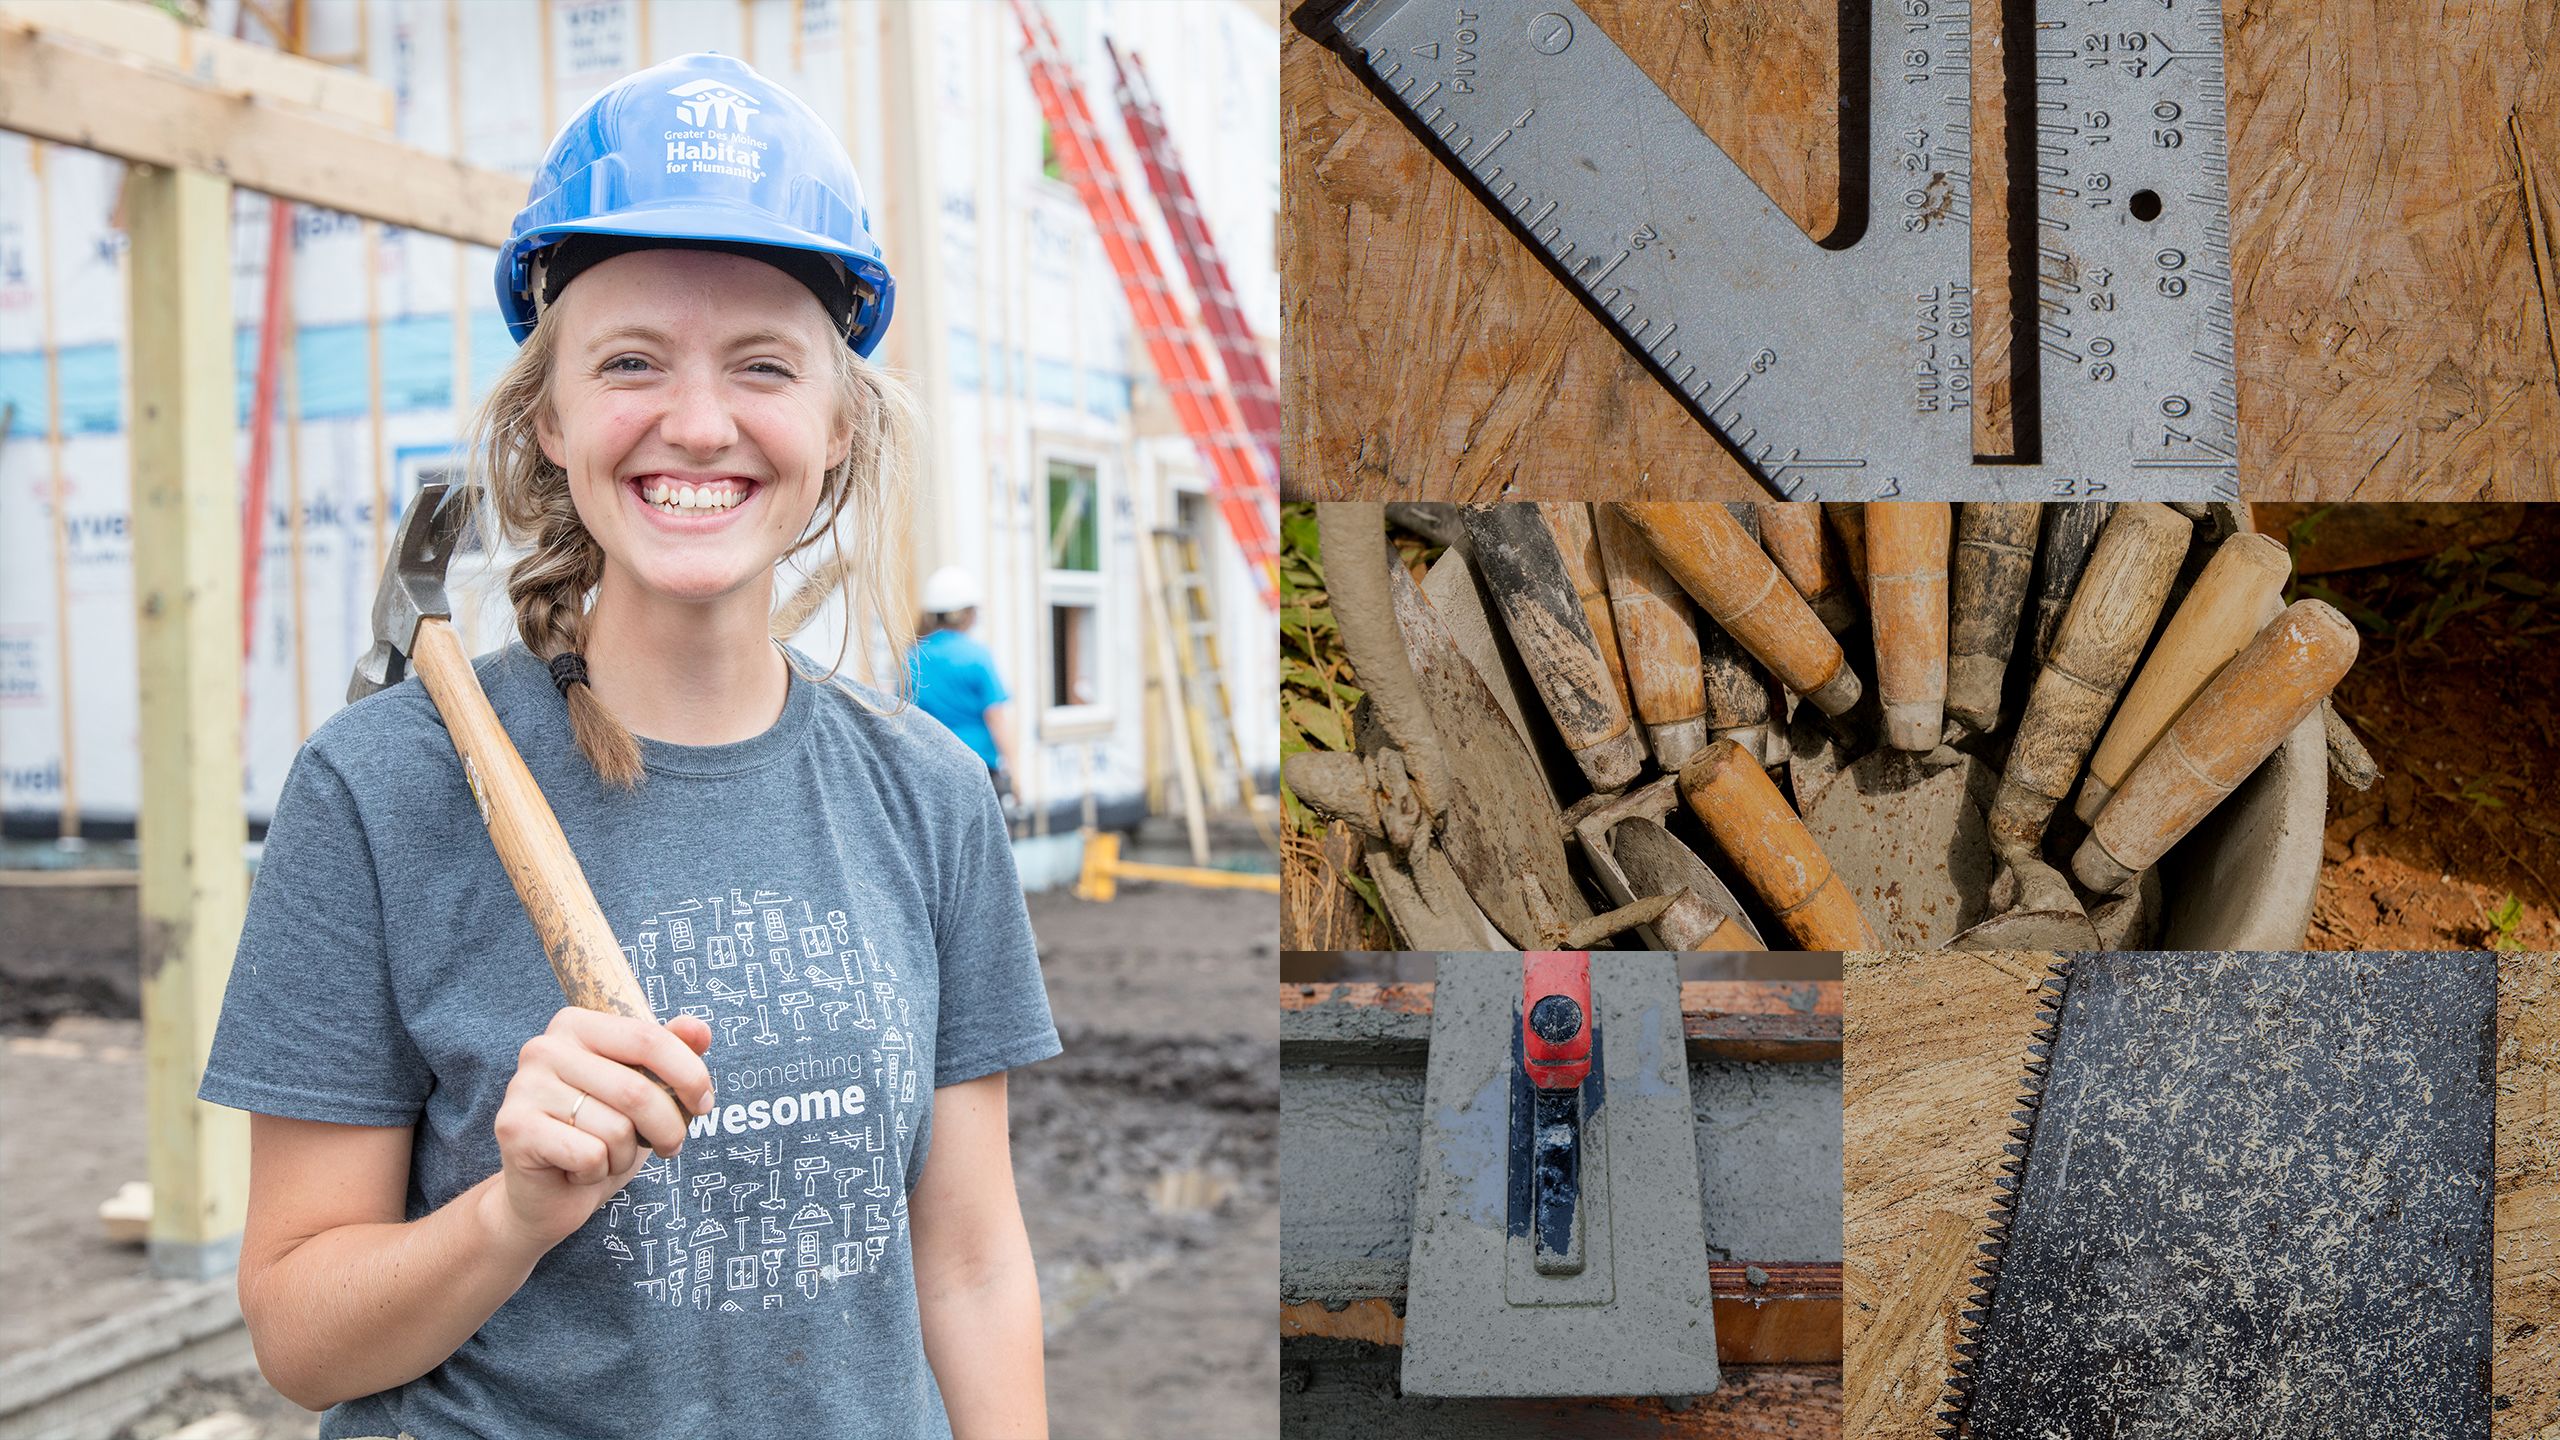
{"points": [[412, 585]]}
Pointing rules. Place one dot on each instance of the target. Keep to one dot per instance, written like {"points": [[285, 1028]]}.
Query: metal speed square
{"points": [[1559, 1247], [1845, 369]]}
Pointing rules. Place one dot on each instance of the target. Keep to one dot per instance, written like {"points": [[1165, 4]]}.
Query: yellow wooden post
{"points": [[186, 582], [908, 203]]}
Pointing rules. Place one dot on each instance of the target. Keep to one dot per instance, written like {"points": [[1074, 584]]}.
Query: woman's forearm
{"points": [[982, 1337], [363, 1308]]}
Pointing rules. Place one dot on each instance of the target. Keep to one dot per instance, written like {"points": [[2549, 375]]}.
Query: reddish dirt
{"points": [[2466, 727]]}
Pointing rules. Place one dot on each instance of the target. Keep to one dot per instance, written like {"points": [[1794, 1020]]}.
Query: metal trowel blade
{"points": [[1481, 1318]]}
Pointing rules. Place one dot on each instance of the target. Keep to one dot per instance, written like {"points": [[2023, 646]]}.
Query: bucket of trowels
{"points": [[1708, 726]]}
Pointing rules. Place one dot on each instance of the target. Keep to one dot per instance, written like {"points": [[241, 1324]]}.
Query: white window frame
{"points": [[1075, 587]]}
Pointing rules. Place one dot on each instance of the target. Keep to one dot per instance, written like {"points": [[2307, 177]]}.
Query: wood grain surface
{"points": [[2524, 1366], [2394, 269], [1936, 1048]]}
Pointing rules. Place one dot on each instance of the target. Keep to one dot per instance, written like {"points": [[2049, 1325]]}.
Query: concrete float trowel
{"points": [[1559, 1245]]}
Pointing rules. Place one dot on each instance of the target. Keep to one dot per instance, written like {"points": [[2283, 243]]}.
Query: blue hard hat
{"points": [[703, 152]]}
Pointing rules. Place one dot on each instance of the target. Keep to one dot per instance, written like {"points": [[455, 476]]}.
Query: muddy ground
{"points": [[1143, 1157]]}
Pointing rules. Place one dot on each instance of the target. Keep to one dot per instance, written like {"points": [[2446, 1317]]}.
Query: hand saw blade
{"points": [[1843, 370], [2253, 1201]]}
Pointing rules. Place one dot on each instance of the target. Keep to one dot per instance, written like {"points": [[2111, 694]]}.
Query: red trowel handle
{"points": [[1556, 1040]]}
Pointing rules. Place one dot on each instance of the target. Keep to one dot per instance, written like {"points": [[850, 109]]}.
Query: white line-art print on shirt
{"points": [[793, 1184]]}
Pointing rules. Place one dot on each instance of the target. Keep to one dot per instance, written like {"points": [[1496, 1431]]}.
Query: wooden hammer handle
{"points": [[1907, 590], [584, 953], [1750, 821], [2235, 722], [2230, 602], [1739, 587]]}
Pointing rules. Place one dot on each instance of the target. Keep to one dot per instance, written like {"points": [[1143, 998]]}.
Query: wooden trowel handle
{"points": [[1738, 585], [1907, 587], [1747, 817], [584, 953], [2235, 722]]}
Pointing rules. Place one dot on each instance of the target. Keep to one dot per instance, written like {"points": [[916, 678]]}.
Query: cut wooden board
{"points": [[2393, 331], [1936, 1046], [1936, 1049], [2525, 1364]]}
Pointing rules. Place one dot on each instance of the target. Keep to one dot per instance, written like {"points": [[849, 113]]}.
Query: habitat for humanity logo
{"points": [[714, 106], [718, 143]]}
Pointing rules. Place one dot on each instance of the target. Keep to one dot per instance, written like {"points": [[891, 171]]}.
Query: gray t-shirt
{"points": [[835, 897]]}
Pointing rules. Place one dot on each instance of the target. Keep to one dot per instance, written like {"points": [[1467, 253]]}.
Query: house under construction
{"points": [[1054, 458]]}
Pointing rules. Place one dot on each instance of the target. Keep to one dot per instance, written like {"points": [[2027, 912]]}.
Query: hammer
{"points": [[413, 630]]}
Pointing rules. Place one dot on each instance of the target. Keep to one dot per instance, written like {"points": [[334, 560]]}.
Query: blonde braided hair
{"points": [[525, 500]]}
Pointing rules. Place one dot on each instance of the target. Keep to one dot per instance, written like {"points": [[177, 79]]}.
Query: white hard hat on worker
{"points": [[950, 590]]}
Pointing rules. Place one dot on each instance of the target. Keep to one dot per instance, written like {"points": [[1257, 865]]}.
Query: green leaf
{"points": [[1308, 618], [1320, 725], [1302, 821], [2449, 608], [1298, 537], [2519, 584], [1367, 890]]}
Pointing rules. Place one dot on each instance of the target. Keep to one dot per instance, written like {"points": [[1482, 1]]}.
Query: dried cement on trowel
{"points": [[1351, 1119], [1655, 1332], [1910, 841]]}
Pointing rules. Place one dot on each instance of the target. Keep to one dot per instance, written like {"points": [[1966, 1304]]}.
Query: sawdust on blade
{"points": [[2255, 1185]]}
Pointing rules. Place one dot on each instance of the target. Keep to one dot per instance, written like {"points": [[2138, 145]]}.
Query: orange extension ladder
{"points": [[1248, 377], [1240, 474]]}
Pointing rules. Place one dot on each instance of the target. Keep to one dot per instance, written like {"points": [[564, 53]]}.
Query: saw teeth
{"points": [[1973, 1314]]}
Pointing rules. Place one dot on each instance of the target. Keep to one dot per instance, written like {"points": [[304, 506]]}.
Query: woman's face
{"points": [[692, 371]]}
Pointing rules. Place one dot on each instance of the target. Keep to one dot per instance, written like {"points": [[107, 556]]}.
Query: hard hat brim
{"points": [[701, 223]]}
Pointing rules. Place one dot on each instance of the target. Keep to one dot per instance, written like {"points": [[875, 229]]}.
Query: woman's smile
{"points": [[691, 503]]}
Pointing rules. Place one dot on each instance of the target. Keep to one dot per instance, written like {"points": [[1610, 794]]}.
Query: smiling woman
{"points": [[471, 1211], [712, 379]]}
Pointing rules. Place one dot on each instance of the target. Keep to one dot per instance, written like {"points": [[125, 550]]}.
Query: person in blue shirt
{"points": [[955, 676]]}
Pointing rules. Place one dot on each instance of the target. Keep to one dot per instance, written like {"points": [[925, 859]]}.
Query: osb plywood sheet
{"points": [[1935, 1047], [2526, 1367], [1428, 353], [2393, 266]]}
